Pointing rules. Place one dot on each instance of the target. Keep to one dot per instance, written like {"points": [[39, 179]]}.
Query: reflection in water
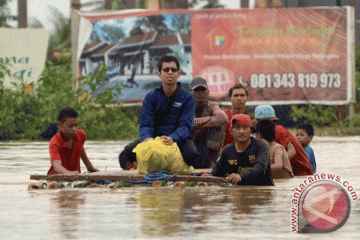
{"points": [[249, 200], [160, 210], [64, 207], [212, 206], [142, 213], [202, 205], [254, 202]]}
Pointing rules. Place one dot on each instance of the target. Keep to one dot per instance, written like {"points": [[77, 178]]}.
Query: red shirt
{"points": [[228, 137], [69, 157], [300, 163]]}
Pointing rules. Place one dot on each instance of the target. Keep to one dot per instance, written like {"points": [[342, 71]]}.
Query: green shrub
{"points": [[317, 115], [25, 113]]}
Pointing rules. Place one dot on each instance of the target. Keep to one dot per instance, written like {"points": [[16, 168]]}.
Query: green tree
{"points": [[94, 37], [4, 13], [140, 4], [317, 115], [25, 113], [210, 4], [117, 5], [112, 33], [181, 23], [60, 37], [214, 4], [150, 23]]}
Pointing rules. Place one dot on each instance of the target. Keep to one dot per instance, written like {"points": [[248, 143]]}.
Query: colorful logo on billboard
{"points": [[219, 80], [219, 40]]}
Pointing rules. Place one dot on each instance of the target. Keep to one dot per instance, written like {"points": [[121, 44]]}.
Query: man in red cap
{"points": [[247, 160]]}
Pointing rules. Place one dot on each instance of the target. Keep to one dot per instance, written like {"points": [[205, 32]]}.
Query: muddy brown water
{"points": [[153, 213]]}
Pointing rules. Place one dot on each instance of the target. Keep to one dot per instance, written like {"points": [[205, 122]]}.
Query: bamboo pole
{"points": [[121, 177]]}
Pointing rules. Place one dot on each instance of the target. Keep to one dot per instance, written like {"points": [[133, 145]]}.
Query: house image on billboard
{"points": [[136, 54]]}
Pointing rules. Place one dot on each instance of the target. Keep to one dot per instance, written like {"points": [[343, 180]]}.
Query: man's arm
{"points": [[290, 149], [147, 119], [87, 162], [218, 118], [219, 168], [59, 168], [186, 120], [278, 162]]}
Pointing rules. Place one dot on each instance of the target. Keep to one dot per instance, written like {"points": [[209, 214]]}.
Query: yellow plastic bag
{"points": [[154, 156]]}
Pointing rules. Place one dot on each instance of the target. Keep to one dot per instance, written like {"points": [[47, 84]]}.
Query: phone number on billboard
{"points": [[291, 80]]}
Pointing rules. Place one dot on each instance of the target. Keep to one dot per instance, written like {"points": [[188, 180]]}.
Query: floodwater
{"points": [[152, 213]]}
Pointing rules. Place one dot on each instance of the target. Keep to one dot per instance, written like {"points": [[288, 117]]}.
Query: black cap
{"points": [[198, 82]]}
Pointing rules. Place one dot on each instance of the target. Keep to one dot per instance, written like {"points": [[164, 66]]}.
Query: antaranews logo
{"points": [[321, 204]]}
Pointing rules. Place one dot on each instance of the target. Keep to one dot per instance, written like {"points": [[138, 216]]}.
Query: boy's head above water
{"points": [[304, 134], [68, 122]]}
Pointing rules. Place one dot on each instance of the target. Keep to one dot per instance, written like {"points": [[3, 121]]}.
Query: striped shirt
{"points": [[211, 113]]}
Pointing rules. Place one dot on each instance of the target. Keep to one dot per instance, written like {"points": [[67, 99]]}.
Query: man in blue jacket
{"points": [[167, 111]]}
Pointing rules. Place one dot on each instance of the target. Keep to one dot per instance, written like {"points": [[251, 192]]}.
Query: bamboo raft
{"points": [[127, 176]]}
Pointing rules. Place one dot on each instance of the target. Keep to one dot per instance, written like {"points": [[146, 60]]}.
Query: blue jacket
{"points": [[177, 124]]}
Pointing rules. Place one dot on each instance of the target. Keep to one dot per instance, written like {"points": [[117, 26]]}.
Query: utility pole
{"points": [[22, 13], [268, 4], [129, 4], [108, 4], [244, 3], [75, 4]]}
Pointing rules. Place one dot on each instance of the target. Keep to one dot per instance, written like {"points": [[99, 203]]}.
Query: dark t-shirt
{"points": [[253, 164]]}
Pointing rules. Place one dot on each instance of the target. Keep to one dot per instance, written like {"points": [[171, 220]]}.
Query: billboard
{"points": [[24, 52], [283, 56]]}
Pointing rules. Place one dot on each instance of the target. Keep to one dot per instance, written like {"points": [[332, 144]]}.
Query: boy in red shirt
{"points": [[67, 146]]}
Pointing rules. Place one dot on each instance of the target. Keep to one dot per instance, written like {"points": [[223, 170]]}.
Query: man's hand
{"points": [[206, 175], [168, 140], [233, 178], [147, 139], [93, 169]]}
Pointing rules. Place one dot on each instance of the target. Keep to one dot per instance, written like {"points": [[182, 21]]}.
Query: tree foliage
{"points": [[60, 37], [318, 115], [181, 23], [4, 13], [26, 112], [150, 23], [112, 34]]}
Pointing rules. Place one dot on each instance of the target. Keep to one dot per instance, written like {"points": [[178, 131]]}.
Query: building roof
{"points": [[138, 40], [93, 46], [166, 40]]}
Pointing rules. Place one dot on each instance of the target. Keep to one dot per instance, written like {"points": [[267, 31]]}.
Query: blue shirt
{"points": [[176, 124], [310, 154]]}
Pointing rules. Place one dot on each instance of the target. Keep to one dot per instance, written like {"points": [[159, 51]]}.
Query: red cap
{"points": [[242, 119]]}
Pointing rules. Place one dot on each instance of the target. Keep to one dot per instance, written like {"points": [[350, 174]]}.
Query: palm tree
{"points": [[209, 4], [4, 13], [60, 37]]}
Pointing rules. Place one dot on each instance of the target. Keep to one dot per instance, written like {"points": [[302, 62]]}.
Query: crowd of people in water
{"points": [[244, 144]]}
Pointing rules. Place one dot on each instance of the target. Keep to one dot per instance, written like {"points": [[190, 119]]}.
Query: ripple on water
{"points": [[141, 212]]}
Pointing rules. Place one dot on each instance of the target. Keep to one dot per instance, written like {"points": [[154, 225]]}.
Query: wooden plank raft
{"points": [[124, 176]]}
